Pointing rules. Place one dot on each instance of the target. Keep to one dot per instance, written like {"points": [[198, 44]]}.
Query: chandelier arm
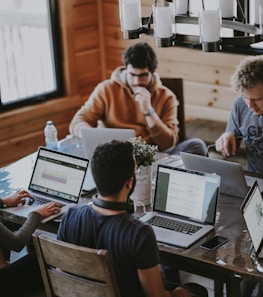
{"points": [[241, 10], [150, 21], [188, 7], [203, 5]]}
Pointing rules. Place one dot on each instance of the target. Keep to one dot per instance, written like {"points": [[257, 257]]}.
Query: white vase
{"points": [[142, 194]]}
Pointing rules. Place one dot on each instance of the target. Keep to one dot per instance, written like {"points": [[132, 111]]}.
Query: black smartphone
{"points": [[214, 242]]}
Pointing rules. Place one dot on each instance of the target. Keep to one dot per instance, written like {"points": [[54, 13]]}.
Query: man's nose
{"points": [[136, 80], [251, 102]]}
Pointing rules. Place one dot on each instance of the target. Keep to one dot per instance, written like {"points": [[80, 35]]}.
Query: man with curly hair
{"points": [[246, 118], [246, 122]]}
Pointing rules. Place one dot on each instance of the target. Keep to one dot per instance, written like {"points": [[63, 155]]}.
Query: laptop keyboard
{"points": [[172, 224], [40, 201]]}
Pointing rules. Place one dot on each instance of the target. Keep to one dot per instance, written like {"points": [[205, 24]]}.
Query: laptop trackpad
{"points": [[162, 234]]}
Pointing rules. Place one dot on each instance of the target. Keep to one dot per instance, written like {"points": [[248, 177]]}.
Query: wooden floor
{"points": [[207, 130]]}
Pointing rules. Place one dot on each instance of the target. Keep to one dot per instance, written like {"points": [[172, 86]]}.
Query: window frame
{"points": [[57, 63]]}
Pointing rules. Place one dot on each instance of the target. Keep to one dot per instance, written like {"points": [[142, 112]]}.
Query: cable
{"points": [[139, 202]]}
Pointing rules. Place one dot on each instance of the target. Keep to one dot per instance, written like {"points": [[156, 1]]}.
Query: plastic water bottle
{"points": [[51, 136]]}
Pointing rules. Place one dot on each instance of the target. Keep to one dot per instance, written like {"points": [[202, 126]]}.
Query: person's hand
{"points": [[226, 144], [143, 97], [48, 209], [17, 198]]}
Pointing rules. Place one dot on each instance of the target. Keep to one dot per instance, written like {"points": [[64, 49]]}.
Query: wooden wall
{"points": [[92, 45]]}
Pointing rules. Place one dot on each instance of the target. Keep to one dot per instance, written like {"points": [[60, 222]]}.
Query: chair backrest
{"points": [[176, 86], [70, 270]]}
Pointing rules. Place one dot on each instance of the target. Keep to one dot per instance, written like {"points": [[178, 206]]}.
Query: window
{"points": [[30, 62]]}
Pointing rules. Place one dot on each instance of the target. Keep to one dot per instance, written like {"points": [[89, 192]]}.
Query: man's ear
{"points": [[129, 182]]}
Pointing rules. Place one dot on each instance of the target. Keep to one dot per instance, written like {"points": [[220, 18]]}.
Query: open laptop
{"points": [[92, 137], [233, 180], [56, 177], [252, 210], [185, 197]]}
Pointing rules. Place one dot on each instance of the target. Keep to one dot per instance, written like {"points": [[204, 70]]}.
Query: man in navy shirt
{"points": [[106, 224]]}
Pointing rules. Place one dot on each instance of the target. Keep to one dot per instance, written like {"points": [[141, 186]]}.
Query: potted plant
{"points": [[145, 155]]}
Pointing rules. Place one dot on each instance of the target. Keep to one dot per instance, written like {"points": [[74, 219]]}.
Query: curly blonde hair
{"points": [[248, 74]]}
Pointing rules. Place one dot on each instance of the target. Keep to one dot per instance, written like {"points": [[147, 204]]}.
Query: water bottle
{"points": [[51, 138]]}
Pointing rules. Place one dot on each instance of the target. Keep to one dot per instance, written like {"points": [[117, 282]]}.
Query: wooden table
{"points": [[228, 264]]}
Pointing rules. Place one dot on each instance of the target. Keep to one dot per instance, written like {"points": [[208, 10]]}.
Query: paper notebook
{"points": [[183, 199], [56, 177]]}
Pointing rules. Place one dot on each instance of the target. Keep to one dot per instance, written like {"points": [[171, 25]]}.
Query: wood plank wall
{"points": [[92, 45]]}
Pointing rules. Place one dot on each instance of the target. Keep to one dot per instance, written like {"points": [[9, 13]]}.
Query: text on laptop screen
{"points": [[191, 195], [58, 174], [253, 215]]}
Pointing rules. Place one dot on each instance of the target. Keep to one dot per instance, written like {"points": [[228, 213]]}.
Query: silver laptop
{"points": [[233, 180], [184, 207], [92, 137], [56, 177], [252, 210]]}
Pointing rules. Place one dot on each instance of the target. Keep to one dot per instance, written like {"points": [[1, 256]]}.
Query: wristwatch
{"points": [[150, 113]]}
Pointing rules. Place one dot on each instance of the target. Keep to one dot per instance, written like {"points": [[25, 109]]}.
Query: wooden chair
{"points": [[176, 86], [69, 270]]}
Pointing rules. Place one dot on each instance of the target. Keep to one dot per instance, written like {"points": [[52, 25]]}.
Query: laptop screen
{"points": [[233, 182], [58, 174], [252, 209], [186, 193], [92, 137]]}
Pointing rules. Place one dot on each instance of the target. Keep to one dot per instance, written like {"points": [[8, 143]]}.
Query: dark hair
{"points": [[248, 74], [111, 165], [140, 55]]}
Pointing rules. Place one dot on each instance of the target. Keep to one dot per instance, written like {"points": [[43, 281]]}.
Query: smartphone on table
{"points": [[214, 242]]}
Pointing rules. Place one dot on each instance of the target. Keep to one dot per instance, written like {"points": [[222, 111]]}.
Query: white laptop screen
{"points": [[252, 209], [58, 174], [186, 193]]}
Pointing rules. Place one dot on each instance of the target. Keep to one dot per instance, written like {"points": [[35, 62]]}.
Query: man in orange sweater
{"points": [[134, 98]]}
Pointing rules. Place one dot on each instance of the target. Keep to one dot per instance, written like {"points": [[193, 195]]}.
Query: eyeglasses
{"points": [[141, 76]]}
